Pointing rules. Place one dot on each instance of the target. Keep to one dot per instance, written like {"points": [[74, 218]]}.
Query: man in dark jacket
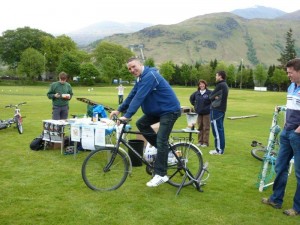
{"points": [[159, 104], [217, 114]]}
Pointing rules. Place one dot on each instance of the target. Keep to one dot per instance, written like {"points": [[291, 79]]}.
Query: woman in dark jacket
{"points": [[201, 102]]}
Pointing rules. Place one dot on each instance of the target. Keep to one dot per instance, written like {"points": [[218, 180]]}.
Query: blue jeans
{"points": [[159, 140], [289, 147], [217, 125]]}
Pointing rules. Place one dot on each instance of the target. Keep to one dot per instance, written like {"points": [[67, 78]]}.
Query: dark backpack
{"points": [[37, 143]]}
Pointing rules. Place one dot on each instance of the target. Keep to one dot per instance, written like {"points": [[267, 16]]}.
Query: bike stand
{"points": [[196, 183]]}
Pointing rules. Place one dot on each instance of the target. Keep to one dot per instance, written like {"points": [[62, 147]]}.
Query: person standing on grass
{"points": [[159, 103], [201, 102], [60, 93], [289, 144], [120, 93], [217, 113]]}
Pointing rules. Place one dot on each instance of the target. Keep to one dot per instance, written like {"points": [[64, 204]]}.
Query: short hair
{"points": [[133, 59], [222, 74], [295, 63], [63, 76]]}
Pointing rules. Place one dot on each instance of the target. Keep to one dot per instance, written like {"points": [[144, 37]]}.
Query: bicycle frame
{"points": [[269, 158], [188, 174], [107, 167]]}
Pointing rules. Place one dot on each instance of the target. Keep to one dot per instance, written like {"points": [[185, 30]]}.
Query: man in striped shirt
{"points": [[289, 144]]}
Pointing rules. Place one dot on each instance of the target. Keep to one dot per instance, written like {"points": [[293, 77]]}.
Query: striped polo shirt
{"points": [[293, 107]]}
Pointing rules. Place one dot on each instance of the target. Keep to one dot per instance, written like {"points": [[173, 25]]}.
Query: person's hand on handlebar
{"points": [[113, 114]]}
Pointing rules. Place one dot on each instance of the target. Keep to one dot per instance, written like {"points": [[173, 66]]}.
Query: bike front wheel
{"points": [[18, 121], [105, 169], [191, 159]]}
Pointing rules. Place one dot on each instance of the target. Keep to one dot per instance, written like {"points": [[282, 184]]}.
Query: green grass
{"points": [[45, 187]]}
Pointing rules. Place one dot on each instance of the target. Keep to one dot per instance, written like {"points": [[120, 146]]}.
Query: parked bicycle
{"points": [[17, 118], [268, 154], [107, 168]]}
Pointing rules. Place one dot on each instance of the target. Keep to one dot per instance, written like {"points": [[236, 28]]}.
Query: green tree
{"points": [[205, 73], [260, 75], [185, 72], [54, 48], [289, 52], [279, 78], [176, 78], [14, 42], [167, 69], [88, 73], [213, 64], [109, 69], [107, 49], [195, 74], [149, 62], [70, 64], [31, 64], [231, 75]]}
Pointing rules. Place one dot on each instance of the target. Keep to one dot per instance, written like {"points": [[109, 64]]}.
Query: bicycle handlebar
{"points": [[15, 106], [116, 118]]}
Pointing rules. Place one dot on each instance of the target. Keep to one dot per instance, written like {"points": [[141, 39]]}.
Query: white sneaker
{"points": [[214, 152], [157, 180], [203, 146], [199, 145]]}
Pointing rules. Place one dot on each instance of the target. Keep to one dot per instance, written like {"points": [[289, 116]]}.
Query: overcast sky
{"points": [[64, 16]]}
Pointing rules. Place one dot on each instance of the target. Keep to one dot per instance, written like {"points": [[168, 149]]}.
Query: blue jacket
{"points": [[201, 102], [153, 93]]}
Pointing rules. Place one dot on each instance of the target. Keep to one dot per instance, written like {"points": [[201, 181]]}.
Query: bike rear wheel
{"points": [[259, 153], [18, 121], [101, 172], [191, 159]]}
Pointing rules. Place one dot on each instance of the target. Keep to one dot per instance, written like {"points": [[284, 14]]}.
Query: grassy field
{"points": [[45, 187]]}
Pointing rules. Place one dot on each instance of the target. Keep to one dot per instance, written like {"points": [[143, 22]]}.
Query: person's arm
{"points": [[51, 94], [124, 106], [147, 85], [192, 98], [70, 92], [215, 93]]}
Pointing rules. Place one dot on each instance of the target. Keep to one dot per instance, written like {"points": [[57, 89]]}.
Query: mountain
{"points": [[257, 12], [291, 16], [222, 36], [97, 31]]}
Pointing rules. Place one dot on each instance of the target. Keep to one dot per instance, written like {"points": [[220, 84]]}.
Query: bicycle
{"points": [[108, 167], [268, 154], [17, 118]]}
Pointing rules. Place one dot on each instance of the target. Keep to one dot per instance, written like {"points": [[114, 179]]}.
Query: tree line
{"points": [[31, 54]]}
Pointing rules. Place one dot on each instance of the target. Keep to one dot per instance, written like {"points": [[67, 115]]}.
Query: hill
{"points": [[261, 12], [222, 36], [89, 34]]}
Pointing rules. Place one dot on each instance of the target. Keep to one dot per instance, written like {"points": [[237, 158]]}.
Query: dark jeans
{"points": [[159, 140], [60, 112], [217, 125], [289, 147]]}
